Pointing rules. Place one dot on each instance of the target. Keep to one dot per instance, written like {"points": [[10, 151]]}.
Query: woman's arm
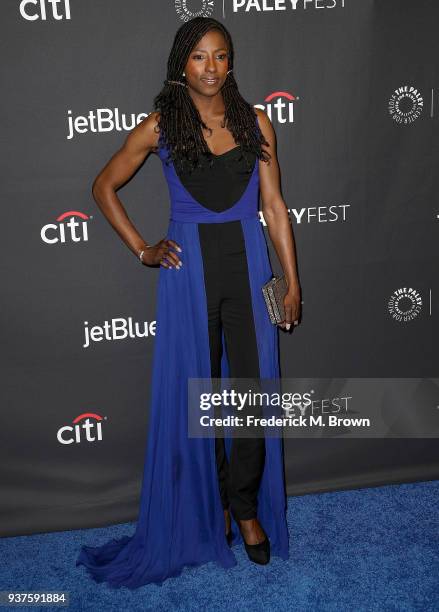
{"points": [[276, 216], [118, 170]]}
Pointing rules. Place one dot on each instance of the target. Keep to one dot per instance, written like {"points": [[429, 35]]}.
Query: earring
{"points": [[184, 74]]}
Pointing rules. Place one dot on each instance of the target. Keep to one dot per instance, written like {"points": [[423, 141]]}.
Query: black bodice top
{"points": [[220, 186]]}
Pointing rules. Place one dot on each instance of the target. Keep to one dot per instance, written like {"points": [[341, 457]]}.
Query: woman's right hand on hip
{"points": [[162, 254]]}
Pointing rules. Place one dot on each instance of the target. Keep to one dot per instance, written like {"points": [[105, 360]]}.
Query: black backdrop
{"points": [[351, 89]]}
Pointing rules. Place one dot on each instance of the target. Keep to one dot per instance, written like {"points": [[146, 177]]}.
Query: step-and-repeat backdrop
{"points": [[351, 88]]}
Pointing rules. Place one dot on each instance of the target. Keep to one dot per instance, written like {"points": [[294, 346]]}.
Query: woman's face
{"points": [[207, 65]]}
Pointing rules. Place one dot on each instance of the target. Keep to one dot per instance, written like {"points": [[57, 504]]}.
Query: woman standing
{"points": [[200, 496]]}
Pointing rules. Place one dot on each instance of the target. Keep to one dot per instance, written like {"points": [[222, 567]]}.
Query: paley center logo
{"points": [[70, 226], [86, 427], [405, 104], [405, 304], [204, 9], [279, 106], [33, 10]]}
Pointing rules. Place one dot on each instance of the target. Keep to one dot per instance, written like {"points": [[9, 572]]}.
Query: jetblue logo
{"points": [[102, 120]]}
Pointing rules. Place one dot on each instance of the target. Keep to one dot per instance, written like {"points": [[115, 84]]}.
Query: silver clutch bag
{"points": [[274, 293]]}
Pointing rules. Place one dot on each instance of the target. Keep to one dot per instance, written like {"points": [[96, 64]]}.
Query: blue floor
{"points": [[366, 549]]}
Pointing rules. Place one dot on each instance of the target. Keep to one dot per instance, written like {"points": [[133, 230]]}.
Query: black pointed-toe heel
{"points": [[258, 553]]}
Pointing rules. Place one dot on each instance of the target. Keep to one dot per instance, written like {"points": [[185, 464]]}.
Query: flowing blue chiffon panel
{"points": [[181, 520]]}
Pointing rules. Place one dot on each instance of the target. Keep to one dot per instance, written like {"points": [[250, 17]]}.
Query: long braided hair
{"points": [[180, 122]]}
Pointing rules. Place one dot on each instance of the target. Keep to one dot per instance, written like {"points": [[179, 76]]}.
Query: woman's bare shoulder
{"points": [[263, 120], [146, 133]]}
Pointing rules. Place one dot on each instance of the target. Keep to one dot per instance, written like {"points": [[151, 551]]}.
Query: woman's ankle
{"points": [[252, 531]]}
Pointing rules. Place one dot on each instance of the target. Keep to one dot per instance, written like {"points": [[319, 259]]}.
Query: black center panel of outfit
{"points": [[229, 307]]}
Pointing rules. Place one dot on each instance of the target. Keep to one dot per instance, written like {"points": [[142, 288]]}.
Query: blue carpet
{"points": [[365, 549]]}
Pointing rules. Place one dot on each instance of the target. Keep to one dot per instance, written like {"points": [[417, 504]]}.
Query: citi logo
{"points": [[279, 106], [71, 226], [102, 120], [32, 10], [86, 427]]}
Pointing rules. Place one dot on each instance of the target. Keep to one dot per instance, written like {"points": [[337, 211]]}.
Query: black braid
{"points": [[180, 122]]}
